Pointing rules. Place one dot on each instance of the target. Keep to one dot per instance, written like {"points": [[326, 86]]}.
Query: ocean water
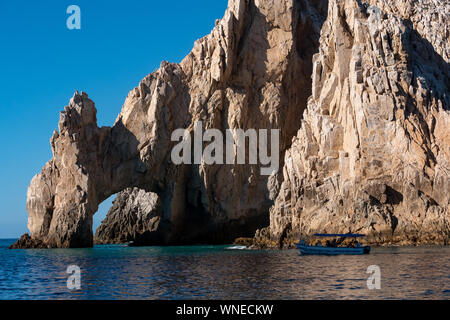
{"points": [[221, 272]]}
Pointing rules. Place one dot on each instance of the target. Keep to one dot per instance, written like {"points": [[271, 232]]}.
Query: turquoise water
{"points": [[218, 272]]}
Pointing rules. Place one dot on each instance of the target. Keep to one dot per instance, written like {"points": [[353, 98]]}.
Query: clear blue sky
{"points": [[42, 63]]}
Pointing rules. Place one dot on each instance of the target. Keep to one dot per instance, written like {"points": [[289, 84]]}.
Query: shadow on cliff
{"points": [[307, 20], [294, 92], [429, 71], [428, 67]]}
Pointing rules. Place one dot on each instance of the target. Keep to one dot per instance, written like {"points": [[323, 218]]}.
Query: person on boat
{"points": [[352, 243]]}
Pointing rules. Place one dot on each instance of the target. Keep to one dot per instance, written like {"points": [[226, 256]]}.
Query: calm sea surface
{"points": [[218, 272]]}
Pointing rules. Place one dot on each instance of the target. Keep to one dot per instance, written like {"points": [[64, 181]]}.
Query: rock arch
{"points": [[247, 73]]}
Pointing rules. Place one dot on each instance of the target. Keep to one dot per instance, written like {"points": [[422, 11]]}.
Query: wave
{"points": [[236, 248]]}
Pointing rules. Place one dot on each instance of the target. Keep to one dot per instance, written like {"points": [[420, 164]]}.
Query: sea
{"points": [[116, 272]]}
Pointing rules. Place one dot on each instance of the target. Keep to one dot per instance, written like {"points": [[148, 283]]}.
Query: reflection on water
{"points": [[213, 272]]}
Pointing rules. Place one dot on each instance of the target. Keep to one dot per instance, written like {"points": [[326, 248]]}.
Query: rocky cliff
{"points": [[358, 89], [373, 152]]}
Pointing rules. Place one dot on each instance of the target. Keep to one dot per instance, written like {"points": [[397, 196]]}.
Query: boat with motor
{"points": [[334, 247]]}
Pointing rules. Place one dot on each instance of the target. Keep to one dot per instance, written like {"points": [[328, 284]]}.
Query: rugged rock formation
{"points": [[252, 71], [364, 145], [27, 242], [373, 151], [135, 216]]}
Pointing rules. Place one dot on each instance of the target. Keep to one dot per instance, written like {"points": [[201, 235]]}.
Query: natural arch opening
{"points": [[135, 217], [102, 212]]}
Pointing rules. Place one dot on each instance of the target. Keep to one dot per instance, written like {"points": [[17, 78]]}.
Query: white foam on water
{"points": [[237, 248]]}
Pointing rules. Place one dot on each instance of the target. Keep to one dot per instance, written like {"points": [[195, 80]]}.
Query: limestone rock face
{"points": [[135, 216], [358, 89], [373, 152]]}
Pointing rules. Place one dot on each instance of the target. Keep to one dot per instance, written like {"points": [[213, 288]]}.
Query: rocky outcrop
{"points": [[26, 242], [373, 152], [363, 145], [134, 217]]}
